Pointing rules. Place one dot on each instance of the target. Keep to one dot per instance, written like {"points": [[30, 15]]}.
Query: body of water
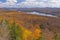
{"points": [[42, 14]]}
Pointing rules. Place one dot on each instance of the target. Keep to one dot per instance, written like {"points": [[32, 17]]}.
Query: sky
{"points": [[29, 3]]}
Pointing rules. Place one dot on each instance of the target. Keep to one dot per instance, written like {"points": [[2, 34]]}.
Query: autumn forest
{"points": [[16, 25]]}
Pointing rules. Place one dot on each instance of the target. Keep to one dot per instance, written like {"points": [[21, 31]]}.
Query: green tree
{"points": [[56, 37], [15, 32]]}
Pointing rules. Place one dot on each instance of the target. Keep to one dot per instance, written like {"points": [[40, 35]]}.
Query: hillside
{"points": [[53, 11], [37, 26]]}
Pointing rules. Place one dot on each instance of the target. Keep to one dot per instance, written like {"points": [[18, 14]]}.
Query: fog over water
{"points": [[42, 14]]}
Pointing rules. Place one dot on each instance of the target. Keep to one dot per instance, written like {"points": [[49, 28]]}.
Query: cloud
{"points": [[54, 3], [11, 2], [54, 0], [43, 3], [2, 5], [8, 3], [31, 3], [30, 0]]}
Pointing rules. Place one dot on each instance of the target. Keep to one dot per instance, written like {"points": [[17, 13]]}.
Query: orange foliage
{"points": [[36, 33]]}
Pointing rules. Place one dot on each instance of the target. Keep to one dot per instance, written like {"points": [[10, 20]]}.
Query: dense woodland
{"points": [[21, 26]]}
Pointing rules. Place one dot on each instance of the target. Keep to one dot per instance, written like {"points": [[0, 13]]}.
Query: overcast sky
{"points": [[29, 3]]}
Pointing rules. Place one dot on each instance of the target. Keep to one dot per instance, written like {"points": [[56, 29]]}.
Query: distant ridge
{"points": [[52, 11]]}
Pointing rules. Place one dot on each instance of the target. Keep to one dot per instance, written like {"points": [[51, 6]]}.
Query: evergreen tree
{"points": [[15, 32]]}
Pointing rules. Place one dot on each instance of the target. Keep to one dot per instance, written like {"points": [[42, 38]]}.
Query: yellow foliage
{"points": [[26, 33], [0, 18], [36, 33]]}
